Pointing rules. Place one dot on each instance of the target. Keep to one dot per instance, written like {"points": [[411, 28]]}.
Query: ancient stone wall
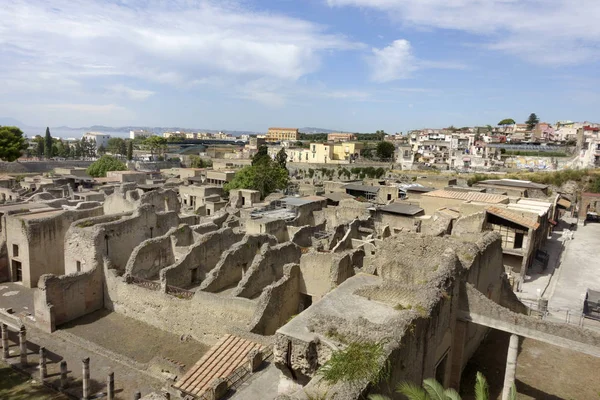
{"points": [[469, 224], [274, 227], [202, 257], [234, 262], [267, 268], [150, 256], [303, 235], [277, 303]]}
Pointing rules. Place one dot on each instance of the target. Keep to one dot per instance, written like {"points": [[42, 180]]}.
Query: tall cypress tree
{"points": [[130, 150], [48, 144]]}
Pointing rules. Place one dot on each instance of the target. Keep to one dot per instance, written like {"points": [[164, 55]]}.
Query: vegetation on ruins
{"points": [[281, 158], [357, 362], [532, 121], [130, 150], [433, 390], [155, 144], [12, 143], [385, 150], [264, 175], [197, 162], [100, 167]]}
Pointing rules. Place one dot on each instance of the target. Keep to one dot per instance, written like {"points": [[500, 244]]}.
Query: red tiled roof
{"points": [[220, 361], [513, 217]]}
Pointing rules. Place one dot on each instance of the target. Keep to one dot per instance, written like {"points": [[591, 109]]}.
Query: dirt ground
{"points": [[543, 371], [135, 339], [16, 386]]}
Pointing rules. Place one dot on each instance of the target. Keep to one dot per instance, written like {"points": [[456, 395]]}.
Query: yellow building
{"points": [[341, 137], [279, 134], [324, 153]]}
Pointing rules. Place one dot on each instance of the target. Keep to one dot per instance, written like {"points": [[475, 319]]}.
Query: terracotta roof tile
{"points": [[513, 217], [468, 196], [219, 362]]}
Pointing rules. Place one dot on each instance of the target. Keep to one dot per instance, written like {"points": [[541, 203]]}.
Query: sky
{"points": [[350, 65]]}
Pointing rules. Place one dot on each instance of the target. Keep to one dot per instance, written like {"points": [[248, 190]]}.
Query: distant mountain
{"points": [[7, 121], [319, 130]]}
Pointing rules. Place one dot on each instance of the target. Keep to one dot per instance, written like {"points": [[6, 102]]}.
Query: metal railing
{"points": [[179, 292], [558, 315], [145, 283]]}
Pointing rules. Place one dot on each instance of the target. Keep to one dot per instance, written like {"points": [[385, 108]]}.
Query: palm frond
{"points": [[434, 389], [412, 391], [481, 388], [378, 397], [452, 394], [512, 395]]}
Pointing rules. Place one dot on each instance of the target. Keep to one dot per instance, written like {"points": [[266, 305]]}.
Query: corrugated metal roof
{"points": [[221, 360], [514, 183], [362, 188], [469, 196], [402, 209], [513, 217]]}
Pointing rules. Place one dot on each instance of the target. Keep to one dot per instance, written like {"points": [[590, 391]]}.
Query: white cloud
{"points": [[555, 32], [171, 43], [393, 62], [133, 94], [87, 108], [397, 61]]}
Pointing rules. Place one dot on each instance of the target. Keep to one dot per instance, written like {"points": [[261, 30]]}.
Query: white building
{"points": [[139, 134], [101, 139]]}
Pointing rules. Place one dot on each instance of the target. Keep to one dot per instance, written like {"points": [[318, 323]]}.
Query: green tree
{"points": [[197, 162], [12, 143], [385, 150], [48, 144], [116, 146], [261, 156], [100, 167], [155, 144], [101, 150], [266, 176], [130, 150], [88, 147], [380, 134], [532, 121], [39, 146], [281, 158], [489, 128]]}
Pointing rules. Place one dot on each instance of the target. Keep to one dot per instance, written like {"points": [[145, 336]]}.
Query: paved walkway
{"points": [[579, 271]]}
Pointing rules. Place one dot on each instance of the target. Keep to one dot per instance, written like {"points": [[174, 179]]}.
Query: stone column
{"points": [[4, 341], [110, 386], [86, 378], [23, 345], [63, 375], [511, 366], [43, 371], [137, 395]]}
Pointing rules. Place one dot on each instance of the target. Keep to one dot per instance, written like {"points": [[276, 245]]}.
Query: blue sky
{"points": [[353, 65]]}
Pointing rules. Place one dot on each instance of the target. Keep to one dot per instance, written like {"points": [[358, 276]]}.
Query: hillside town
{"points": [[288, 265]]}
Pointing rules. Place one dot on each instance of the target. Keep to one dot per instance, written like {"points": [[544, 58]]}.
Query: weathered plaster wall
{"points": [[277, 303], [469, 224], [150, 256], [303, 235], [60, 299], [267, 268], [274, 227], [234, 262], [206, 317], [41, 241], [203, 256], [322, 272]]}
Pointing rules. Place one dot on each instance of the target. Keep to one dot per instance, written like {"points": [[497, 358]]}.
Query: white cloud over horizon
{"points": [[555, 32]]}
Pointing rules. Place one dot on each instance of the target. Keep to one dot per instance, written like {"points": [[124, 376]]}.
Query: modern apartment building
{"points": [[101, 139], [279, 134]]}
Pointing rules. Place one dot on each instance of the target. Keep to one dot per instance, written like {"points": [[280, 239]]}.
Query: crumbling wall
{"points": [[277, 303], [235, 262], [150, 256], [469, 224], [205, 228], [41, 241], [274, 227], [303, 235], [126, 198], [201, 257], [113, 237], [438, 225], [206, 316], [267, 268], [322, 272], [60, 299], [183, 235], [345, 242]]}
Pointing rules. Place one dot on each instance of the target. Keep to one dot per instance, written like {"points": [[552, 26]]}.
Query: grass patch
{"points": [[422, 311], [400, 307], [335, 335], [16, 386], [357, 362]]}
